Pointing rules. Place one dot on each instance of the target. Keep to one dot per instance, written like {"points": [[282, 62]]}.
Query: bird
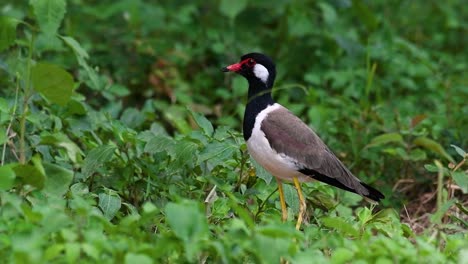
{"points": [[283, 144]]}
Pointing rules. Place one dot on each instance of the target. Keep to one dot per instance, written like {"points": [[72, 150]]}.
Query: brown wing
{"points": [[287, 134]]}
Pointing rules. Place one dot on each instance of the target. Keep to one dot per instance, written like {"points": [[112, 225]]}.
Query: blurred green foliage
{"points": [[121, 137]]}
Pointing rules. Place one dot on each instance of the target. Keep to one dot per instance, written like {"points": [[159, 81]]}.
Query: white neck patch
{"points": [[261, 72]]}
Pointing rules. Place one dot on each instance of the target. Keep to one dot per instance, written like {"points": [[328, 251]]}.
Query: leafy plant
{"points": [[120, 138]]}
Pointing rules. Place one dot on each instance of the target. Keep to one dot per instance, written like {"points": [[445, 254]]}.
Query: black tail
{"points": [[374, 194]]}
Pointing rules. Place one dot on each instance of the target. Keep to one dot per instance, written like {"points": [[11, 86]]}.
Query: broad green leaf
{"points": [[79, 188], [49, 14], [7, 177], [433, 146], [217, 152], [459, 150], [177, 117], [132, 117], [384, 216], [270, 249], [29, 174], [109, 204], [203, 123], [7, 32], [75, 46], [58, 179], [291, 198], [342, 255], [461, 179], [185, 153], [45, 42], [261, 172], [160, 143], [53, 251], [53, 82], [97, 157], [188, 224], [437, 216], [186, 220], [132, 258], [81, 56], [72, 251], [322, 200], [61, 140], [232, 8], [340, 225], [75, 107], [91, 250], [385, 139]]}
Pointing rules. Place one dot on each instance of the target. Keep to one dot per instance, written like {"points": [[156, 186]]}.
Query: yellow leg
{"points": [[284, 210], [302, 203]]}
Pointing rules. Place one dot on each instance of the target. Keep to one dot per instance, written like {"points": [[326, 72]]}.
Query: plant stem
{"points": [[26, 96]]}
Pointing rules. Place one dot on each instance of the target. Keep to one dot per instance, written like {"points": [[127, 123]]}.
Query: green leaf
{"points": [[340, 225], [176, 115], [7, 32], [322, 200], [97, 157], [217, 152], [61, 140], [58, 179], [433, 146], [109, 204], [53, 82], [72, 252], [185, 152], [203, 123], [417, 154], [459, 150], [75, 46], [270, 249], [232, 8], [7, 177], [160, 143], [385, 139], [461, 179], [291, 198], [261, 172], [328, 13], [81, 56], [431, 168], [49, 14], [342, 255], [437, 216], [188, 224], [131, 258], [186, 220], [30, 174]]}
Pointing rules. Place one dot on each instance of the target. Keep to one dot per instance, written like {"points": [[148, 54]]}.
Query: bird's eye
{"points": [[251, 62]]}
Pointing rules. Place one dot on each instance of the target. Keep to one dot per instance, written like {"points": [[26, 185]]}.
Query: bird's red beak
{"points": [[234, 67]]}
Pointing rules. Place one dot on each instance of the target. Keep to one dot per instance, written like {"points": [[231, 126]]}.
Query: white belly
{"points": [[278, 164]]}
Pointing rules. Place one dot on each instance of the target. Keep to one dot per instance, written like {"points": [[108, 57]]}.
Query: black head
{"points": [[255, 67]]}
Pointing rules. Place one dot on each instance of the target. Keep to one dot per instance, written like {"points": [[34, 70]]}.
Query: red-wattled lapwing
{"points": [[283, 144]]}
